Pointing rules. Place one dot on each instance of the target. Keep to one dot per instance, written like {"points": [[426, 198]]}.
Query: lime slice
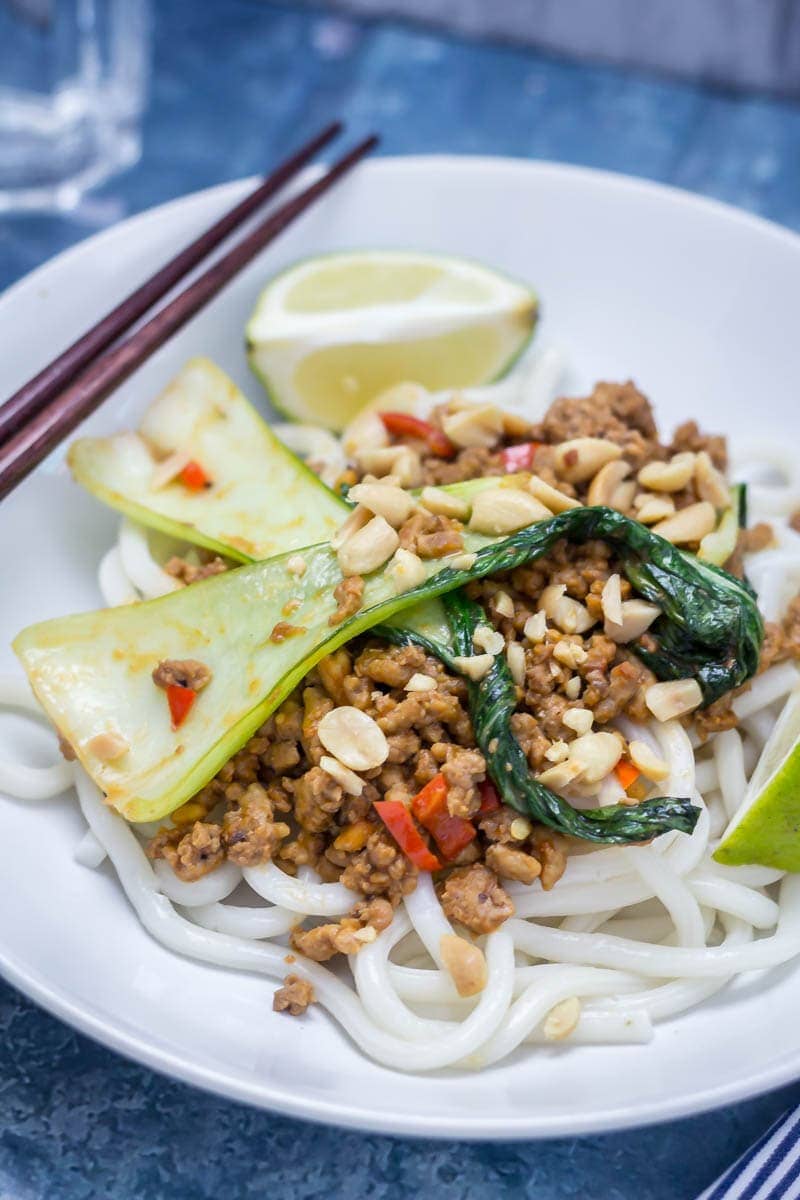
{"points": [[331, 333], [766, 829]]}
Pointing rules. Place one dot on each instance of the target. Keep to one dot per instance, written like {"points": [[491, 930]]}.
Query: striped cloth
{"points": [[769, 1170]]}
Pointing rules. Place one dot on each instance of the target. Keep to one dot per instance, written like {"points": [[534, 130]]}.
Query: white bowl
{"points": [[697, 303]]}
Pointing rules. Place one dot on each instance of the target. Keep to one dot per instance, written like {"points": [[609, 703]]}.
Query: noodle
{"points": [[115, 586], [217, 885], [88, 852], [138, 564], [299, 895], [20, 779]]}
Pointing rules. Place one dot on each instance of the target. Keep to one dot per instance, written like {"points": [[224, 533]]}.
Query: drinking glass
{"points": [[73, 77]]}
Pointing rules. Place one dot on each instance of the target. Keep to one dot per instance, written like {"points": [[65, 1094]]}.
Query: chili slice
{"points": [[490, 801], [180, 701], [626, 773], [401, 424], [450, 833], [194, 477], [398, 821], [519, 458]]}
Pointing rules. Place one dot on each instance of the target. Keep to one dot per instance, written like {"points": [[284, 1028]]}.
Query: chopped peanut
{"points": [[673, 698], [465, 964], [353, 737], [562, 1020]]}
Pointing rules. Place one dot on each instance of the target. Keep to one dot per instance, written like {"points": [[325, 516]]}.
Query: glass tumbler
{"points": [[73, 81]]}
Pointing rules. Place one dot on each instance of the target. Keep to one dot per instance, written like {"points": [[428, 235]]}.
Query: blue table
{"points": [[234, 84]]}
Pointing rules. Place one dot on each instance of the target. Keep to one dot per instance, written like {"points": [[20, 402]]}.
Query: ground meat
{"points": [[185, 672], [466, 857], [324, 941], [403, 746], [527, 731], [608, 689], [473, 897], [376, 912], [317, 800], [427, 712], [496, 826], [286, 724], [622, 691], [337, 677], [781, 638], [425, 768], [758, 537], [281, 756], [794, 521], [615, 411], [380, 869], [303, 850], [463, 771], [545, 680], [475, 462], [772, 647], [191, 855], [394, 783], [348, 595], [277, 742], [189, 572], [391, 665], [315, 705], [511, 863], [791, 629], [430, 535], [544, 465], [579, 568], [716, 718], [551, 850], [333, 670], [294, 997], [689, 437], [248, 831]]}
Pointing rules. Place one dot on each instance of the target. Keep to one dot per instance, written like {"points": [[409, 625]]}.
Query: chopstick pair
{"points": [[50, 405]]}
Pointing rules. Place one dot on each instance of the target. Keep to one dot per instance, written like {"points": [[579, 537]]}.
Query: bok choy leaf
{"points": [[260, 500]]}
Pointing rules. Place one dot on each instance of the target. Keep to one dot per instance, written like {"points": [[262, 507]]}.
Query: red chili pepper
{"points": [[397, 820], [490, 801], [401, 424], [626, 773], [519, 458], [194, 477], [180, 701], [429, 806]]}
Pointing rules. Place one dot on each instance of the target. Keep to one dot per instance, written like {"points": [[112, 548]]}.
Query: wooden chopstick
{"points": [[45, 386], [26, 449]]}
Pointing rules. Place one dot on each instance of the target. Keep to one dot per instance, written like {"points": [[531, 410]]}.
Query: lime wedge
{"points": [[766, 829], [331, 333]]}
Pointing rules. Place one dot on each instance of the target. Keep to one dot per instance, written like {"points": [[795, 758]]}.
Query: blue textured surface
{"points": [[234, 82]]}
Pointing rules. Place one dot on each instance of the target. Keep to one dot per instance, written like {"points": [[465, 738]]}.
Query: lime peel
{"points": [[766, 829]]}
